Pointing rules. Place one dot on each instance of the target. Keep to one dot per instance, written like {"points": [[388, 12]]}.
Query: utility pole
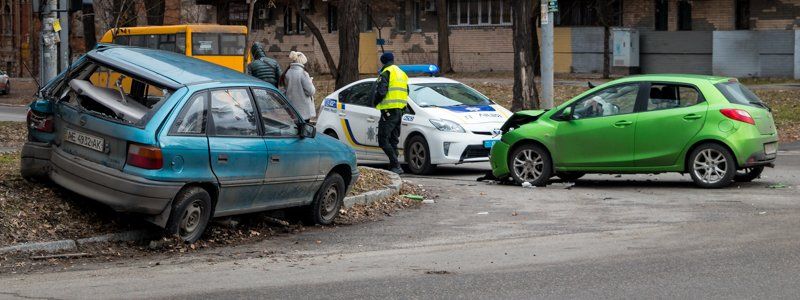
{"points": [[547, 53], [49, 51], [63, 51]]}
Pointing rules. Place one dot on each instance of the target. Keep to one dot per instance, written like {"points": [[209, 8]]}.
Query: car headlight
{"points": [[447, 125]]}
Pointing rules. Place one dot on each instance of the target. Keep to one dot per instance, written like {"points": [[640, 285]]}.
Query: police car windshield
{"points": [[446, 94]]}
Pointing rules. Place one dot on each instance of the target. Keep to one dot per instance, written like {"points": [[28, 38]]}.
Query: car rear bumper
{"points": [[35, 159], [122, 192]]}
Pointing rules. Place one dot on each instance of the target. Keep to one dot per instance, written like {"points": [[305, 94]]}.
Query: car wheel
{"points": [[569, 176], [712, 166], [332, 134], [327, 201], [748, 174], [190, 214], [530, 163], [8, 88], [418, 156]]}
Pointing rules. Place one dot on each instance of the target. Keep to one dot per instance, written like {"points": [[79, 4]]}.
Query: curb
{"points": [[372, 196], [63, 245], [134, 235]]}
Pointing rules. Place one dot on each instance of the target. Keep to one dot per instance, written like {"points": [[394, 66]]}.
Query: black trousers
{"points": [[389, 133]]}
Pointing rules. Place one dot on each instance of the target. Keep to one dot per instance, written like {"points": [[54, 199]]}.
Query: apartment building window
{"points": [[366, 22], [333, 18], [684, 15], [416, 11], [479, 12], [662, 15], [587, 13], [237, 13], [292, 23], [742, 14]]}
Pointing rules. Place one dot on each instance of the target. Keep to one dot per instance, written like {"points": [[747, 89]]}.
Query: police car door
{"points": [[359, 121]]}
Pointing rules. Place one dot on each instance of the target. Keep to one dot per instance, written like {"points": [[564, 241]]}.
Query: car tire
{"points": [[8, 88], [569, 176], [418, 156], [530, 163], [748, 174], [331, 133], [327, 201], [711, 166], [190, 214]]}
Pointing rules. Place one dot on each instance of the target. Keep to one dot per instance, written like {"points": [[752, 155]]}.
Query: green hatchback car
{"points": [[713, 128]]}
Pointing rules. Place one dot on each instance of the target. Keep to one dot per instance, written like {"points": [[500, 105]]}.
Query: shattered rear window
{"points": [[114, 95]]}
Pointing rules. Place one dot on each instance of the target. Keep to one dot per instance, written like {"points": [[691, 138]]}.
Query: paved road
{"points": [[13, 113], [604, 237]]}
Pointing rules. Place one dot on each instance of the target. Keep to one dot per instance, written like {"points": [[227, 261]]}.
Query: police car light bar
{"points": [[431, 70]]}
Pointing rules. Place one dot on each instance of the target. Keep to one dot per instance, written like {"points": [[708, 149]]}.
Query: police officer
{"points": [[391, 96]]}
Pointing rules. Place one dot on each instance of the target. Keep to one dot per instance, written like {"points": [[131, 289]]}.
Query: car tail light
{"points": [[738, 115], [145, 157], [40, 123]]}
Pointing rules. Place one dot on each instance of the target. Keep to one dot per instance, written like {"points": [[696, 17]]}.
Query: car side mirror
{"points": [[566, 114], [307, 130]]}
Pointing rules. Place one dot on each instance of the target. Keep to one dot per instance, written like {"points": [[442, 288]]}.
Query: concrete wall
{"points": [[675, 51], [754, 53]]}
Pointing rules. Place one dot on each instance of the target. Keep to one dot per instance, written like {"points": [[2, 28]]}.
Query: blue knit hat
{"points": [[387, 58]]}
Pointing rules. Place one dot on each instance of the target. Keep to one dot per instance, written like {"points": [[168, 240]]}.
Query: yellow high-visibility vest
{"points": [[397, 96]]}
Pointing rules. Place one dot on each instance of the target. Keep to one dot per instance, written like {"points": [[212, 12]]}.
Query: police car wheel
{"points": [[418, 156], [332, 134]]}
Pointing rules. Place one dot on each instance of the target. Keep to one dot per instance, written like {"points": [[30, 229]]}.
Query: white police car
{"points": [[446, 122]]}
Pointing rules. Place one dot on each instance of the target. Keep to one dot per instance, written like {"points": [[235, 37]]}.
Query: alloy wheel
{"points": [[528, 165], [418, 155], [710, 166]]}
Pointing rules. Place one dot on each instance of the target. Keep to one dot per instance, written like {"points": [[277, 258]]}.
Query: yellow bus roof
{"points": [[167, 29]]}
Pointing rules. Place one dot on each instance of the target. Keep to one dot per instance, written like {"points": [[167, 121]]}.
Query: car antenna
{"points": [[38, 86]]}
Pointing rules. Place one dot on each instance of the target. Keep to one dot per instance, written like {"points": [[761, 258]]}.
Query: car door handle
{"points": [[275, 158], [692, 117], [371, 120], [622, 123], [222, 158]]}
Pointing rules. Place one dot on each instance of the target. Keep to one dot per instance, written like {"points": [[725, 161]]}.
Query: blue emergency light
{"points": [[431, 70]]}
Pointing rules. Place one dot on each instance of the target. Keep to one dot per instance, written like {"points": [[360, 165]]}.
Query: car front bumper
{"points": [[456, 148], [122, 192]]}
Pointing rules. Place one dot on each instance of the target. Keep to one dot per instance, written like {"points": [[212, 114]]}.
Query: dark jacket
{"points": [[263, 67]]}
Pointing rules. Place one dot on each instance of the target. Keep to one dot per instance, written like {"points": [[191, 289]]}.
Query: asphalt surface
{"points": [[642, 236], [13, 113]]}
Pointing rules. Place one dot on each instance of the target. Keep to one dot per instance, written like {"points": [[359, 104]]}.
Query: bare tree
{"points": [[605, 17], [444, 37], [318, 35], [349, 30], [525, 94]]}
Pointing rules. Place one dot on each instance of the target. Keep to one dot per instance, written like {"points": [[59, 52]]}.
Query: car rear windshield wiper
{"points": [[761, 104]]}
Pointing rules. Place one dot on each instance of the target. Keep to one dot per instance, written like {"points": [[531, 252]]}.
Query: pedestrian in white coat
{"points": [[299, 86]]}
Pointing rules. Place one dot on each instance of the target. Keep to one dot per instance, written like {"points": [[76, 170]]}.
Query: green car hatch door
{"points": [[601, 131], [674, 113]]}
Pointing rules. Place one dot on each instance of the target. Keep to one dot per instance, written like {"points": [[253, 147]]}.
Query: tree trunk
{"points": [[444, 37], [606, 52], [89, 30], [247, 41], [349, 30], [525, 94], [318, 35], [155, 11]]}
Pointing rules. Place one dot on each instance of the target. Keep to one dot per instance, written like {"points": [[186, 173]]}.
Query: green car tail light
{"points": [[738, 115]]}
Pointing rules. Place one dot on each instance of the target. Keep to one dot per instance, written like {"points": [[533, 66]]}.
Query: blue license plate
{"points": [[489, 143]]}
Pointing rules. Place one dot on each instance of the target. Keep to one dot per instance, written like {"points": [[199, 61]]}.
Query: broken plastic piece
{"points": [[124, 108]]}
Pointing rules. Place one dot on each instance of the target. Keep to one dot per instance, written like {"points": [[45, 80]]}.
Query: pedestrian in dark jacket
{"points": [[263, 67]]}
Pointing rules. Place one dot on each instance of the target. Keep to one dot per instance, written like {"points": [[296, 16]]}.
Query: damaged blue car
{"points": [[180, 141]]}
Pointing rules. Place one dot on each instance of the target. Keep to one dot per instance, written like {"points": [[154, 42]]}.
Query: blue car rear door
{"points": [[238, 153]]}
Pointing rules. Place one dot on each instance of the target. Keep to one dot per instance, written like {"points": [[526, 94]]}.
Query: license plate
{"points": [[771, 148], [489, 143], [85, 140]]}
